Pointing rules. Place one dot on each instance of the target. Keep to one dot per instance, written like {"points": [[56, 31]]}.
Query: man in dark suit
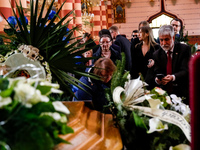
{"points": [[171, 60], [124, 43]]}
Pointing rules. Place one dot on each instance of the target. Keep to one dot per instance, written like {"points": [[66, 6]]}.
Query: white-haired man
{"points": [[171, 60]]}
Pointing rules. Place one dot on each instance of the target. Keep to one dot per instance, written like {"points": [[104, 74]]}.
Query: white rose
{"points": [[168, 100], [56, 116], [28, 95], [160, 91], [5, 101]]}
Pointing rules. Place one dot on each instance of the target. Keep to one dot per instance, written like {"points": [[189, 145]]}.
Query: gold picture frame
{"points": [[119, 12]]}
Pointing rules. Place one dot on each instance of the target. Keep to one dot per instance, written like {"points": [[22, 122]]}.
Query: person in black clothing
{"points": [[176, 76], [106, 49], [142, 53], [103, 68], [178, 30], [135, 35], [124, 43], [114, 46]]}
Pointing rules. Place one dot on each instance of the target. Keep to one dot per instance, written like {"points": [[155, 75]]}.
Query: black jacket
{"points": [[180, 59], [139, 61], [115, 55], [125, 45]]}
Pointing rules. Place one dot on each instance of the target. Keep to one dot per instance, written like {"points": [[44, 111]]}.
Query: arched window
{"points": [[158, 22]]}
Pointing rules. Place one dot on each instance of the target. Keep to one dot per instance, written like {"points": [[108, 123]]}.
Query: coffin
{"points": [[92, 130]]}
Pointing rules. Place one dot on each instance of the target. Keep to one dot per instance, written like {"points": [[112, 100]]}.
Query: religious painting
{"points": [[119, 12]]}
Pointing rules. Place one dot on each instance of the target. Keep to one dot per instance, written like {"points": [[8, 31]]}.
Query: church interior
{"points": [[86, 127]]}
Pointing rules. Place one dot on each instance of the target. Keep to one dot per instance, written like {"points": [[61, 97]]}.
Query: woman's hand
{"points": [[151, 63], [106, 54]]}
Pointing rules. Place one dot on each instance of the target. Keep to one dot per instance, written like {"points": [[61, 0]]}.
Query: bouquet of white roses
{"points": [[147, 119], [29, 120]]}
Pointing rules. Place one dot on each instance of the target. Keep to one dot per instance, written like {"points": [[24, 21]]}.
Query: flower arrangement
{"points": [[29, 119], [48, 39], [147, 119]]}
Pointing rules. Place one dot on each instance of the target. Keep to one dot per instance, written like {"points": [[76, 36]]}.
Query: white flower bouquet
{"points": [[147, 119], [29, 120]]}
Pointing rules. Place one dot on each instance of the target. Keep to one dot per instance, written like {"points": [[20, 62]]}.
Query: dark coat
{"points": [[95, 92], [139, 61], [114, 46], [180, 58], [134, 42], [115, 55], [125, 45]]}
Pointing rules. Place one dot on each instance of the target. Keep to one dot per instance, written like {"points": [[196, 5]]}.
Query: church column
{"points": [[103, 15], [68, 6], [97, 22], [23, 2], [109, 14], [78, 19], [5, 8]]}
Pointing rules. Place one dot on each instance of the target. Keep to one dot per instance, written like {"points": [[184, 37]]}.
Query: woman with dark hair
{"points": [[103, 68], [142, 53], [106, 49]]}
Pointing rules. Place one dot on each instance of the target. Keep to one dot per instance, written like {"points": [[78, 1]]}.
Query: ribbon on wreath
{"points": [[134, 92]]}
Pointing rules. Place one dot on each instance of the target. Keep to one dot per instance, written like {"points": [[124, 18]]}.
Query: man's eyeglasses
{"points": [[134, 35], [106, 42]]}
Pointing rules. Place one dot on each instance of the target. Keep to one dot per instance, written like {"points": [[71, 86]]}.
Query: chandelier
{"points": [[86, 16], [47, 3]]}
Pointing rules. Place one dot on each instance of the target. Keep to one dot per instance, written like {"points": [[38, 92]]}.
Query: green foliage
{"points": [[186, 40], [32, 127], [133, 124], [139, 122], [162, 98], [194, 48], [47, 36], [119, 76]]}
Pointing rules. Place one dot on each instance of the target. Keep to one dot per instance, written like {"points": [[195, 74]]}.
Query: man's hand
{"points": [[165, 80]]}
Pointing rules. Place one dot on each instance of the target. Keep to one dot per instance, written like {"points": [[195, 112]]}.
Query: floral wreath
{"points": [[32, 53]]}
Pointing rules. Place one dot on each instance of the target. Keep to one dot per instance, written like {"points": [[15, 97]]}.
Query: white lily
{"points": [[133, 90], [154, 103], [59, 106], [180, 147], [156, 125]]}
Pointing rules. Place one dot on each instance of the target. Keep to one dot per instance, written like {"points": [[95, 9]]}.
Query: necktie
{"points": [[169, 63], [169, 86]]}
